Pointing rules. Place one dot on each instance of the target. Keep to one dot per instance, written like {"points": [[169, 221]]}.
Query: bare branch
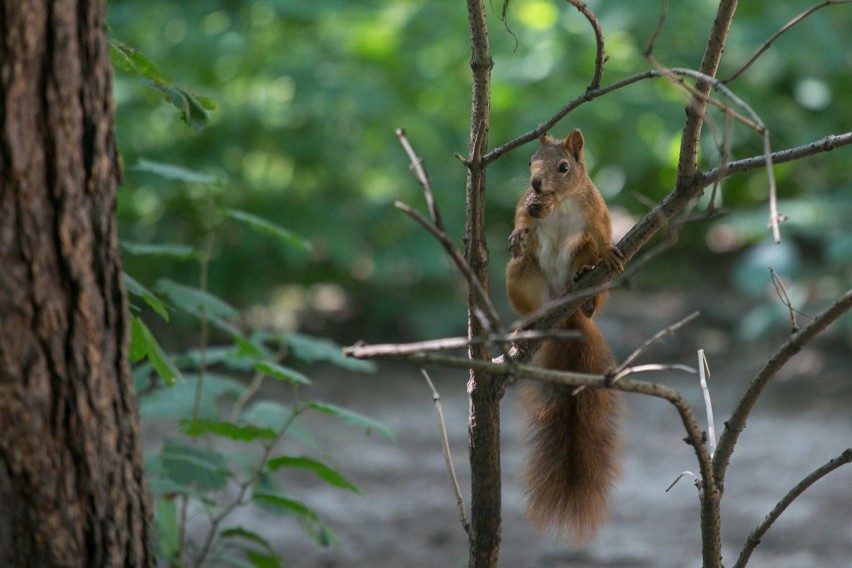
{"points": [[697, 107], [736, 423], [810, 479], [827, 144], [422, 178], [448, 457], [543, 128], [649, 368], [780, 32], [695, 438], [654, 339], [543, 316], [781, 290], [679, 477], [649, 50], [382, 350], [600, 59], [475, 285]]}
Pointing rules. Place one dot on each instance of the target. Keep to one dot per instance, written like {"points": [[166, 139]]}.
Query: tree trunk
{"points": [[72, 489]]}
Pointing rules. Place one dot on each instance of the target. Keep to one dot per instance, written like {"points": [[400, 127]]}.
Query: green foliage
{"points": [[193, 468], [310, 94]]}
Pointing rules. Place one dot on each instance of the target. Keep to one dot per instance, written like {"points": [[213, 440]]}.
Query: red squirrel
{"points": [[562, 228]]}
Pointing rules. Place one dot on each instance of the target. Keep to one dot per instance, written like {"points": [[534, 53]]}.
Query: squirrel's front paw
{"points": [[518, 241], [614, 260], [583, 271]]}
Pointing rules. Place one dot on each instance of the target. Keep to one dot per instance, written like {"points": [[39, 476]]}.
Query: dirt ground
{"points": [[407, 516]]}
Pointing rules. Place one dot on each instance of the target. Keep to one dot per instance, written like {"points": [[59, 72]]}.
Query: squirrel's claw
{"points": [[518, 242], [614, 260]]}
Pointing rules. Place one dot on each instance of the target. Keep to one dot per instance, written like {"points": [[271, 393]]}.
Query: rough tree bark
{"points": [[72, 490], [484, 390]]}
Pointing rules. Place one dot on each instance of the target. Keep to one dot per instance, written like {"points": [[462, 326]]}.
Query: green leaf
{"points": [[245, 534], [167, 524], [270, 498], [199, 427], [192, 111], [281, 505], [171, 171], [265, 558], [193, 108], [137, 289], [178, 401], [350, 417], [261, 560], [271, 414], [202, 469], [311, 349], [143, 341], [181, 252], [138, 343], [319, 469], [267, 227], [130, 61], [276, 371], [194, 299]]}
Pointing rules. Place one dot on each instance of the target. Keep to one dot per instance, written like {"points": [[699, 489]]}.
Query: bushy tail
{"points": [[573, 439]]}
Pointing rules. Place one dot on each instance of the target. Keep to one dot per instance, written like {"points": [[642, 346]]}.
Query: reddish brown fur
{"points": [[573, 438]]}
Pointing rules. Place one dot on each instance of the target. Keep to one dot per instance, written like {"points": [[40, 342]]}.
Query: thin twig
{"points": [[422, 178], [460, 262], [649, 368], [654, 339], [774, 217], [545, 312], [600, 58], [448, 457], [724, 156], [781, 290], [250, 391], [778, 34], [756, 535], [679, 477], [649, 49], [378, 351], [703, 377], [543, 128], [216, 520], [826, 144]]}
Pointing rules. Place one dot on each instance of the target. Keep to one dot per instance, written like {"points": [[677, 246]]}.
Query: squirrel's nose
{"points": [[535, 181]]}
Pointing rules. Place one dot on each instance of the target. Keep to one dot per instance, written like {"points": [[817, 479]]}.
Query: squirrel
{"points": [[562, 229]]}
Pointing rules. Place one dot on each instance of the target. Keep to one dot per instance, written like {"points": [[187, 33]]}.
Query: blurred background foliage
{"points": [[310, 93]]}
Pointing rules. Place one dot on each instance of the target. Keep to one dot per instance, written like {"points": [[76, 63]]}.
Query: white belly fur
{"points": [[558, 235]]}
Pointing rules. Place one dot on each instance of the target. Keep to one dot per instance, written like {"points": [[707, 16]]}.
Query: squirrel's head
{"points": [[556, 171]]}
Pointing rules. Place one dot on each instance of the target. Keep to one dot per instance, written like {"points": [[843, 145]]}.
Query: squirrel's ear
{"points": [[574, 143], [543, 138]]}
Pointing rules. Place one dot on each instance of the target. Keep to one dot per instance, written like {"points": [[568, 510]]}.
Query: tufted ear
{"points": [[543, 138], [574, 143]]}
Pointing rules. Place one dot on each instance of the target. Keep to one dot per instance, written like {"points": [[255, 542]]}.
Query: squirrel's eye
{"points": [[564, 167]]}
